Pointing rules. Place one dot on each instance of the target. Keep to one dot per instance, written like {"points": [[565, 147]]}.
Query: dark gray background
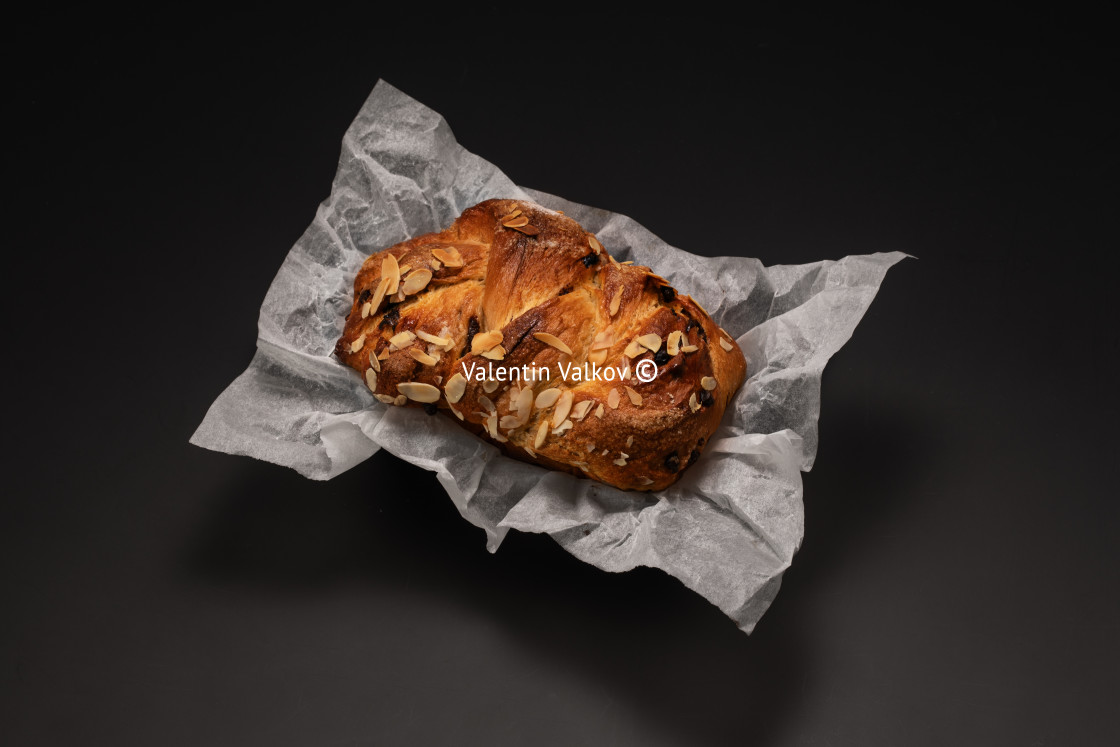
{"points": [[958, 580]]}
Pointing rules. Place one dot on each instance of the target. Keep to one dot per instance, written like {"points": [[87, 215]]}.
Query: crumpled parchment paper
{"points": [[728, 529]]}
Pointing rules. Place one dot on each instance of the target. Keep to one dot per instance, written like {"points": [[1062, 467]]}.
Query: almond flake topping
{"points": [[621, 462], [629, 442], [708, 383], [613, 399], [524, 405], [391, 271], [563, 407], [428, 337], [635, 398], [457, 413], [416, 282], [603, 340], [404, 270], [542, 432], [651, 342], [455, 387], [647, 481], [560, 429], [386, 398], [516, 222], [401, 340], [400, 399], [580, 409], [357, 344], [435, 265], [418, 391], [495, 353], [633, 350], [490, 386], [692, 403], [371, 379], [598, 357], [554, 341], [423, 357], [450, 258], [486, 403], [383, 354], [511, 216], [673, 344], [374, 363], [378, 295], [547, 398], [725, 344], [689, 348], [595, 245], [365, 309], [485, 340], [599, 411], [509, 422], [615, 301]]}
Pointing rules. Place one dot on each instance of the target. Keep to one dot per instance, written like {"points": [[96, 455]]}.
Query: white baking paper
{"points": [[728, 529]]}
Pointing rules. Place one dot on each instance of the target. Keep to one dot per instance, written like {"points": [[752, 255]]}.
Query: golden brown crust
{"points": [[519, 278]]}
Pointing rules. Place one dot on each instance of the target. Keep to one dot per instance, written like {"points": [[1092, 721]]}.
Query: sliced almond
{"points": [[613, 399], [615, 301], [524, 405], [646, 481], [495, 353], [428, 337], [485, 402], [404, 270], [435, 265], [357, 344], [490, 386], [516, 222], [689, 348], [651, 342], [423, 357], [563, 407], [485, 340], [629, 441], [509, 422], [416, 282], [383, 354], [365, 309], [547, 398], [580, 409], [726, 344], [542, 433], [455, 387], [599, 411], [708, 383], [457, 413], [378, 295], [386, 398], [554, 341], [451, 257], [391, 271], [530, 452], [625, 370], [511, 216], [603, 340], [527, 230], [598, 357], [590, 448], [634, 349], [595, 245], [401, 340], [621, 461], [371, 379], [560, 429], [399, 400], [374, 363], [418, 391], [635, 398], [673, 343], [692, 403]]}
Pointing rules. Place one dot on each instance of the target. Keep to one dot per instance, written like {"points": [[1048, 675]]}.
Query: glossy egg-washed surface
{"points": [[528, 272]]}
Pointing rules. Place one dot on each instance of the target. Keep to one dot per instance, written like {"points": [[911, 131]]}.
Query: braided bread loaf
{"points": [[520, 293]]}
